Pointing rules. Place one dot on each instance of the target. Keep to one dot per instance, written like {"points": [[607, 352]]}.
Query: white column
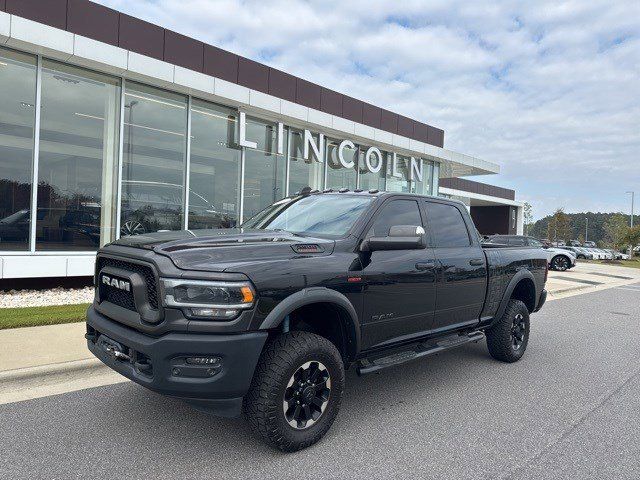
{"points": [[520, 221]]}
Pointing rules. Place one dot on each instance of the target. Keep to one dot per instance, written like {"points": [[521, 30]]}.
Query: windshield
{"points": [[323, 215]]}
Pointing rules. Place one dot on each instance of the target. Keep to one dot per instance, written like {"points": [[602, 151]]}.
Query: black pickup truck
{"points": [[266, 319]]}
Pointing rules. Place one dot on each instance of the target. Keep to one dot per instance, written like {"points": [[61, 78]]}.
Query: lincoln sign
{"points": [[373, 157]]}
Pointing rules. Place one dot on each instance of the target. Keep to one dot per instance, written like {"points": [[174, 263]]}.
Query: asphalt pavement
{"points": [[569, 409]]}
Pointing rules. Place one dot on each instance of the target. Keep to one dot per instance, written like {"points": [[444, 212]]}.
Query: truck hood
{"points": [[227, 249]]}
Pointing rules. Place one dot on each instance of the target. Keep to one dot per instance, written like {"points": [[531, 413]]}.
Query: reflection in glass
{"points": [[214, 182], [17, 118], [424, 187], [369, 180], [77, 161], [338, 176], [401, 182], [153, 169], [320, 215], [264, 178], [303, 173]]}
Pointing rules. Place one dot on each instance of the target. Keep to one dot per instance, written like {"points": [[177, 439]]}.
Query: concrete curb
{"points": [[46, 371]]}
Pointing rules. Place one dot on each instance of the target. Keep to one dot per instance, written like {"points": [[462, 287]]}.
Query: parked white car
{"points": [[558, 258]]}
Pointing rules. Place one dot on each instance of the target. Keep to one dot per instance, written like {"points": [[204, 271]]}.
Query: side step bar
{"points": [[418, 350]]}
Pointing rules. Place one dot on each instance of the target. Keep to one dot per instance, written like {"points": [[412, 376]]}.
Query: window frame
{"points": [[378, 209]]}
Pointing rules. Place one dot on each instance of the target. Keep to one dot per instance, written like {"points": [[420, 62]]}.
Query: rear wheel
{"points": [[296, 391], [507, 339], [560, 263]]}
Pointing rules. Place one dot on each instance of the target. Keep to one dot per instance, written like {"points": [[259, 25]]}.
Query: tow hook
{"points": [[114, 352], [112, 348]]}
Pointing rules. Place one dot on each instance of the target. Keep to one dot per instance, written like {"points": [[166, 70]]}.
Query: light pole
{"points": [[586, 229], [633, 196]]}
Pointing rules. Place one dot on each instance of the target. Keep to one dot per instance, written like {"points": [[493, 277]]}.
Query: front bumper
{"points": [[160, 363]]}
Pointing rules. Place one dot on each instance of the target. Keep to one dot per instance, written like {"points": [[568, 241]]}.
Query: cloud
{"points": [[548, 89]]}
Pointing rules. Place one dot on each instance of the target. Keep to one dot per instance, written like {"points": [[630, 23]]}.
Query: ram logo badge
{"points": [[114, 282]]}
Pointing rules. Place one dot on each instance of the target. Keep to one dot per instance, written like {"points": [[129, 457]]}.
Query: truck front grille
{"points": [[125, 299]]}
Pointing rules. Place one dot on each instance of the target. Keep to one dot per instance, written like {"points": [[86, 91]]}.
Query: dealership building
{"points": [[112, 126]]}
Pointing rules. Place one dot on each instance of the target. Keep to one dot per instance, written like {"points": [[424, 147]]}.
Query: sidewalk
{"points": [[36, 346], [42, 361]]}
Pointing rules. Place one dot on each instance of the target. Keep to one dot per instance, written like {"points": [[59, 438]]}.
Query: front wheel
{"points": [[296, 390], [508, 337], [560, 263]]}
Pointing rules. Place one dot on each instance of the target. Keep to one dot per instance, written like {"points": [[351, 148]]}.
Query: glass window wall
{"points": [[400, 181], [154, 151], [369, 180], [339, 176], [77, 167], [303, 173], [265, 170], [214, 180], [17, 121]]}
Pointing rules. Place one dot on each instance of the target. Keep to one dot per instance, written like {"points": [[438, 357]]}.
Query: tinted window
{"points": [[447, 226], [396, 212], [535, 243], [497, 239]]}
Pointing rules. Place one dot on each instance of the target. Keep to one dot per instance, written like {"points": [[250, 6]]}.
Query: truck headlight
{"points": [[208, 300]]}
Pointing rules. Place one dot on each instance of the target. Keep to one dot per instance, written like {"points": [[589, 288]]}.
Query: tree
{"points": [[527, 211], [615, 229], [559, 226], [632, 237]]}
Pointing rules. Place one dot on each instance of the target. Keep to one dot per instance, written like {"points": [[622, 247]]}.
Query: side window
{"points": [[396, 212], [447, 226], [535, 243], [517, 242]]}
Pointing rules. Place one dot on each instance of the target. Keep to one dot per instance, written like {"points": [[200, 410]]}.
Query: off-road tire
{"points": [[263, 404], [500, 337]]}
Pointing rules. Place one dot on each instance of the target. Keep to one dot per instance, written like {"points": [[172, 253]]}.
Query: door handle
{"points": [[425, 265], [476, 262]]}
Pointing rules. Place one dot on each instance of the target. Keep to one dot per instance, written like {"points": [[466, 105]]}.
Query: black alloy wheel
{"points": [[307, 395], [560, 263], [518, 331]]}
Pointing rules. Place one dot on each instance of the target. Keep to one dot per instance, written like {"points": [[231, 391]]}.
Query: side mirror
{"points": [[401, 237]]}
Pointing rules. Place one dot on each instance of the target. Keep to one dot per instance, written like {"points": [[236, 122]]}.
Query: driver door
{"points": [[399, 285]]}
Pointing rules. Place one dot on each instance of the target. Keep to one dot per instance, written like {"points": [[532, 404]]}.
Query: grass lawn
{"points": [[34, 316]]}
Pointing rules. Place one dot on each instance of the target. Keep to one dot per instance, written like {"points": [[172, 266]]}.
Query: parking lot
{"points": [[569, 409], [587, 277]]}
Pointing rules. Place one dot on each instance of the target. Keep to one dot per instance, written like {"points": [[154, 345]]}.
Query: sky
{"points": [[550, 90]]}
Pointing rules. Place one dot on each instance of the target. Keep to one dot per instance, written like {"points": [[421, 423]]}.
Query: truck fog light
{"points": [[203, 361], [213, 313]]}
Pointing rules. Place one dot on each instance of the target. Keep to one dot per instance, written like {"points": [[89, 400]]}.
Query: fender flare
{"points": [[511, 286], [311, 295]]}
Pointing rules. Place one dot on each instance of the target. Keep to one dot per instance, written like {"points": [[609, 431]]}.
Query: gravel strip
{"points": [[43, 298]]}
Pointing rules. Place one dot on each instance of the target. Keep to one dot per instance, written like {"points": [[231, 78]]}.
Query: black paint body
{"points": [[396, 296]]}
